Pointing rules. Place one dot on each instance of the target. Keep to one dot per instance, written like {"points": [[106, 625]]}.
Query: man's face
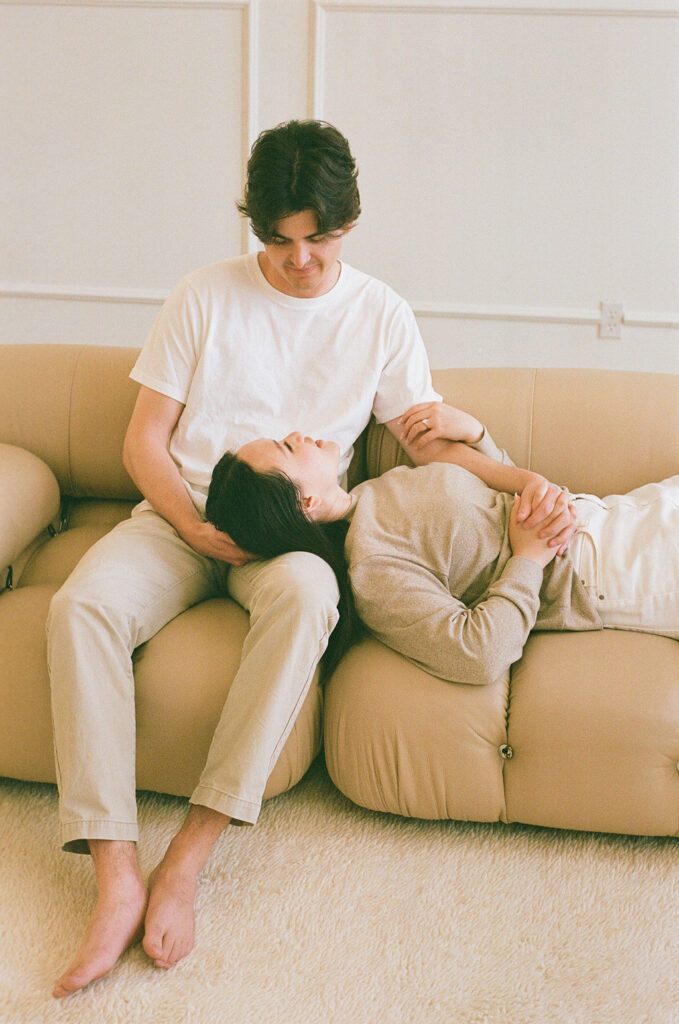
{"points": [[299, 261]]}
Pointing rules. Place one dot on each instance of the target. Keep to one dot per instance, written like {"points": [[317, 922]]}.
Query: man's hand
{"points": [[545, 508], [434, 421], [207, 540], [526, 541]]}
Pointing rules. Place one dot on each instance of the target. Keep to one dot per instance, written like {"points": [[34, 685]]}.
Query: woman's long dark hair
{"points": [[263, 514]]}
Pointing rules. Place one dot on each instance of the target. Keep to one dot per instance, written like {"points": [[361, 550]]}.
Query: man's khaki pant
{"points": [[123, 591]]}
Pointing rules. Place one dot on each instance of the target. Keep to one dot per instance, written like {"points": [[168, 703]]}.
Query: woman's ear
{"points": [[311, 505]]}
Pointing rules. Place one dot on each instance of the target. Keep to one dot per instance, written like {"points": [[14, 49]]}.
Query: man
{"points": [[251, 345]]}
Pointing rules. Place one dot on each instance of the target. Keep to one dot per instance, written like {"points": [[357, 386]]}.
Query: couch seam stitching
{"points": [[532, 419], [70, 423]]}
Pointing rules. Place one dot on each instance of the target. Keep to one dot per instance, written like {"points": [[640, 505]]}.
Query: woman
{"points": [[439, 563]]}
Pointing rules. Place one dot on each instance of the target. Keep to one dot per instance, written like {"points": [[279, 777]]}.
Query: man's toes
{"points": [[162, 949], [75, 979], [162, 957], [182, 949], [172, 953], [153, 946], [60, 990]]}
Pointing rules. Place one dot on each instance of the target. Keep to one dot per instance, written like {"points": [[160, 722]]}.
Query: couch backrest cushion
{"points": [[604, 431], [70, 405], [599, 431]]}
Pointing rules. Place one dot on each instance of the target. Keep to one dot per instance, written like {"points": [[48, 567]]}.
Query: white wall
{"points": [[519, 163]]}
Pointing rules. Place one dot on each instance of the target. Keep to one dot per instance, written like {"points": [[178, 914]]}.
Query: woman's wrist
{"points": [[516, 479], [531, 478]]}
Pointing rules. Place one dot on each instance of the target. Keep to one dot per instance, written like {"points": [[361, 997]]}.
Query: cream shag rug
{"points": [[325, 913]]}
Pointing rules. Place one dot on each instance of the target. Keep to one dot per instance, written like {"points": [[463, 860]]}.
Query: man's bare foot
{"points": [[169, 926], [116, 920]]}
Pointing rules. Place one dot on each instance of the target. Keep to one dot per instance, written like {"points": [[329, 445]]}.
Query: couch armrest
{"points": [[29, 500]]}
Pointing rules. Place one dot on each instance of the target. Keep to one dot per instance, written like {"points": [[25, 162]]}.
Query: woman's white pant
{"points": [[123, 591], [627, 554]]}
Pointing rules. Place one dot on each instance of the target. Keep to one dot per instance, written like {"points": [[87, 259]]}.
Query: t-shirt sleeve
{"points": [[408, 608], [406, 378], [168, 359]]}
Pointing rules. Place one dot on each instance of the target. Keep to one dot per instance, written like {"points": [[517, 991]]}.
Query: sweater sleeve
{"points": [[409, 608], [487, 446]]}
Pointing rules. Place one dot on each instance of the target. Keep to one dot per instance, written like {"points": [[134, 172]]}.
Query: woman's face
{"points": [[312, 465]]}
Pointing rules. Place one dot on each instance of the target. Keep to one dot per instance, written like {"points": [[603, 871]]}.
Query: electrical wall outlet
{"points": [[610, 324]]}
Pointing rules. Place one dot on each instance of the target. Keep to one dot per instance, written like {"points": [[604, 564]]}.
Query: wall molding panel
{"points": [[248, 130], [422, 310], [505, 8], [233, 5], [519, 161], [323, 12], [586, 8], [519, 314], [75, 293]]}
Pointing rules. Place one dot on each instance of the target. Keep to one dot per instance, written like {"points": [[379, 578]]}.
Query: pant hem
{"points": [[245, 811], [74, 835]]}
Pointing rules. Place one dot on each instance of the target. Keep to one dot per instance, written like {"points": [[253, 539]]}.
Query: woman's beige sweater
{"points": [[434, 577]]}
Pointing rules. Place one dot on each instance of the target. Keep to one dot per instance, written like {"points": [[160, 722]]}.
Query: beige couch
{"points": [[584, 735]]}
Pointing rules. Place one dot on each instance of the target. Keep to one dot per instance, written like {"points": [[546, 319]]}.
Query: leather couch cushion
{"points": [[398, 739], [70, 405], [52, 559], [594, 728], [26, 750], [29, 500]]}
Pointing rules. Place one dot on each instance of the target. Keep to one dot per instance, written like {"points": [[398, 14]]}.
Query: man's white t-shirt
{"points": [[248, 361]]}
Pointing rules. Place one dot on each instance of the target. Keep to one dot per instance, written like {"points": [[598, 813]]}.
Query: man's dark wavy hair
{"points": [[300, 165], [263, 514]]}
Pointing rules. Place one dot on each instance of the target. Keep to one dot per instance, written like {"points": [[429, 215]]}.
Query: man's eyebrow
{"points": [[307, 238]]}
